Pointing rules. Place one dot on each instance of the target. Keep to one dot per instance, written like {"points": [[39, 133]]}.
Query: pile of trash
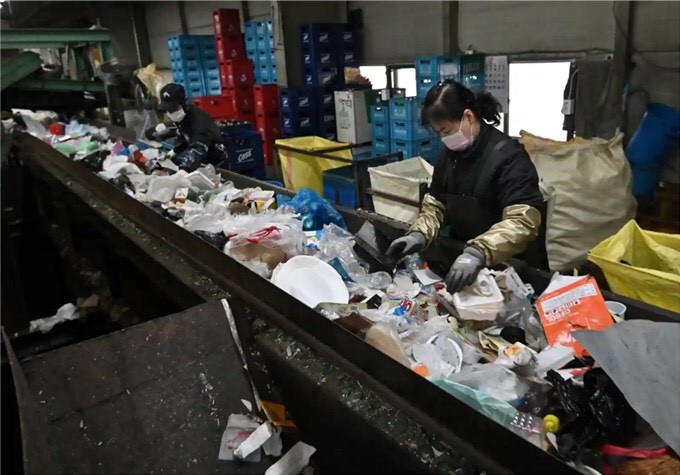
{"points": [[558, 368]]}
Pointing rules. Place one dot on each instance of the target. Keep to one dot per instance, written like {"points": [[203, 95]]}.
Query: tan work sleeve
{"points": [[510, 236], [431, 218]]}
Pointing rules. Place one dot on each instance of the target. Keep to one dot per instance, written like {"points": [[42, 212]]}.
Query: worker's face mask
{"points": [[177, 116], [458, 141]]}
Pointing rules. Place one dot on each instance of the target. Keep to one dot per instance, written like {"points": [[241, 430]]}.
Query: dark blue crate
{"points": [[346, 36], [245, 152], [296, 124], [324, 119], [405, 108], [318, 59], [264, 28], [425, 148], [349, 58], [428, 66], [236, 127], [380, 129], [323, 98], [380, 112], [250, 29], [314, 36], [322, 77], [413, 130], [295, 101], [338, 186], [381, 146]]}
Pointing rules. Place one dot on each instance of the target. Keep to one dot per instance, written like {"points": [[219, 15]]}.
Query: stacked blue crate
{"points": [[432, 69], [407, 135], [321, 51], [193, 61], [380, 128], [259, 40], [296, 106]]}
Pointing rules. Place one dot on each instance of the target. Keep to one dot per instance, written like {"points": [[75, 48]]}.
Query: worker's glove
{"points": [[406, 245], [465, 269]]}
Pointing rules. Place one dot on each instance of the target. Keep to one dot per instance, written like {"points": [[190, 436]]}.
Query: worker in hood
{"points": [[200, 138], [484, 187]]}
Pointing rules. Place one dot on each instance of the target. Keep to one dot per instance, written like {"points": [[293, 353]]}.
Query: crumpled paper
{"points": [[65, 312]]}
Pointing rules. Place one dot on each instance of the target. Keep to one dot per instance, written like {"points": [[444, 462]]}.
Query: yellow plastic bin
{"points": [[653, 275], [302, 170]]}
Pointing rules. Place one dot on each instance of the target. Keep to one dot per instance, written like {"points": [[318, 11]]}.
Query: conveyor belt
{"points": [[486, 444]]}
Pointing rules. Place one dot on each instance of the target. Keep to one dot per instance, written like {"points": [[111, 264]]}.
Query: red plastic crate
{"points": [[242, 98], [268, 125], [230, 48], [217, 107], [266, 99], [227, 22], [247, 116], [237, 74]]}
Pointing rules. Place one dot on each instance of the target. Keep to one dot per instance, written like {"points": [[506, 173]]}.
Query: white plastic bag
{"points": [[588, 187]]}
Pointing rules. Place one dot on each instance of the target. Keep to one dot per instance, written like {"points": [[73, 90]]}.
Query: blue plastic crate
{"points": [[245, 152], [318, 35], [235, 127], [380, 112], [428, 66], [182, 40], [192, 89], [185, 64], [423, 86], [413, 148], [346, 35], [251, 44], [213, 86], [405, 108], [381, 146], [318, 59], [338, 186], [264, 28], [349, 58], [250, 29], [265, 43], [271, 59], [380, 129], [187, 74], [210, 74], [295, 100], [322, 77], [296, 124], [402, 130]]}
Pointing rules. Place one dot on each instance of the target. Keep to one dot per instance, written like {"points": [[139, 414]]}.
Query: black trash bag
{"points": [[95, 160], [219, 240], [591, 415]]}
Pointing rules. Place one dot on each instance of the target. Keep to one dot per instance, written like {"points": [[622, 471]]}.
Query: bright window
{"points": [[406, 78], [376, 74], [536, 97]]}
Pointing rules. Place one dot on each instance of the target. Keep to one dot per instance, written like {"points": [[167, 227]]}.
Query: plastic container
{"points": [[423, 86], [266, 99], [380, 146], [405, 108], [237, 73], [296, 124], [322, 77], [658, 131], [402, 179], [338, 186], [401, 130], [380, 112], [428, 66], [380, 130], [318, 35], [617, 308], [227, 21], [295, 100], [318, 59], [425, 148], [229, 48], [348, 57], [245, 152], [472, 306]]}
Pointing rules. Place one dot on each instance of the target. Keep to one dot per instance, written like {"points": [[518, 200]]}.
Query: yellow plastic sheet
{"points": [[653, 275], [300, 170]]}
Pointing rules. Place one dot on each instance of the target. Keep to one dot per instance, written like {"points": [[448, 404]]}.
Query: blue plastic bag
{"points": [[315, 212]]}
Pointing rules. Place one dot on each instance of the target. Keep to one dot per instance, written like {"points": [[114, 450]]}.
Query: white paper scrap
{"points": [[273, 446], [248, 404], [254, 441], [427, 277], [293, 462]]}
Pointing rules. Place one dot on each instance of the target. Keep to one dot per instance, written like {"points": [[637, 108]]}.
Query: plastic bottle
{"points": [[413, 263], [530, 427]]}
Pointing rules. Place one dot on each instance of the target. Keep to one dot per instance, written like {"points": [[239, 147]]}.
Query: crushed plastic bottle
{"points": [[414, 263], [530, 427]]}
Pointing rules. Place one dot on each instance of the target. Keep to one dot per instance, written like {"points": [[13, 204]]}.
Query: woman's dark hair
{"points": [[449, 99]]}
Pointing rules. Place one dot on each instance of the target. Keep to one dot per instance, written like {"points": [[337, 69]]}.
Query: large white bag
{"points": [[587, 184], [401, 179]]}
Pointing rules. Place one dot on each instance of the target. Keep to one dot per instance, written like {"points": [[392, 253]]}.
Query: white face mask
{"points": [[177, 116], [457, 141]]}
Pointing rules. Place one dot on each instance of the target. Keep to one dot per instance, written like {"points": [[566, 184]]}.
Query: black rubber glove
{"points": [[192, 158], [406, 245], [465, 269]]}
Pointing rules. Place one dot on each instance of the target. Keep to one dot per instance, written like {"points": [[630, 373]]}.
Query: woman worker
{"points": [[484, 187]]}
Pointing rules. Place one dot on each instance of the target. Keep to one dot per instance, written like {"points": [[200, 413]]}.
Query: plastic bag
{"points": [[499, 411], [162, 188], [518, 311], [384, 338], [495, 380], [314, 211]]}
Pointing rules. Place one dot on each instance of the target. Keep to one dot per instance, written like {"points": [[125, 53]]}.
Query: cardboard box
{"points": [[352, 110]]}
